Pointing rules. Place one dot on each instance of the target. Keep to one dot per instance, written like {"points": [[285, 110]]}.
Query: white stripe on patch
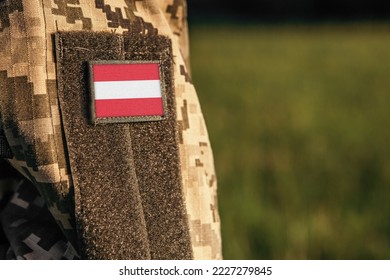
{"points": [[127, 89]]}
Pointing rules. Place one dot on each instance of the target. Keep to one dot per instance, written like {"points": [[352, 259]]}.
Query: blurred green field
{"points": [[299, 121]]}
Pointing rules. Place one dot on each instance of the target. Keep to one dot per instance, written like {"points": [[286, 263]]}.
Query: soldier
{"points": [[102, 123]]}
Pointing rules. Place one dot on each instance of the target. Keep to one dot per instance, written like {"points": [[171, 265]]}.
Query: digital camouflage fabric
{"points": [[141, 190]]}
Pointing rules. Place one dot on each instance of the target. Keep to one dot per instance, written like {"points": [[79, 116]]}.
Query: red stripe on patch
{"points": [[129, 107], [125, 72]]}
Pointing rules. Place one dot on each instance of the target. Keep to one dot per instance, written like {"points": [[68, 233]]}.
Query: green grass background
{"points": [[299, 120]]}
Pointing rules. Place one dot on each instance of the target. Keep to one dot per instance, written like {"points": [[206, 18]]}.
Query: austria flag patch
{"points": [[126, 91]]}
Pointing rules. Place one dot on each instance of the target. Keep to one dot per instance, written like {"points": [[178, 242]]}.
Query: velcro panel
{"points": [[109, 212], [129, 200], [156, 157]]}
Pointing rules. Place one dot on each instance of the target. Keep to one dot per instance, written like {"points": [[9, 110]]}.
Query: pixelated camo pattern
{"points": [[33, 131], [28, 231]]}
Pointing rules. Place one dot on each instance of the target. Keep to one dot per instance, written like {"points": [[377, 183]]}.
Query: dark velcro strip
{"points": [[156, 157], [108, 204], [129, 200]]}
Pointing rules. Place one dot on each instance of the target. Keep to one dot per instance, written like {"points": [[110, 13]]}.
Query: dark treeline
{"points": [[281, 10]]}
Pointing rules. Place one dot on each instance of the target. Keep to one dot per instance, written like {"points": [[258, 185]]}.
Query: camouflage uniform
{"points": [[130, 190]]}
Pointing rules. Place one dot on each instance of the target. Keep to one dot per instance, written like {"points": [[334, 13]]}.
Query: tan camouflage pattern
{"points": [[30, 112]]}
